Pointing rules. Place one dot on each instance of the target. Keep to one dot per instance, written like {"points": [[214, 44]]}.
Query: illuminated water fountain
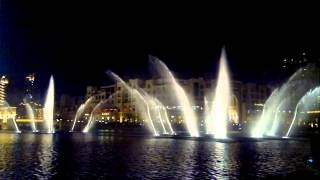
{"points": [[284, 99], [164, 117], [218, 115], [48, 111], [189, 116], [80, 111], [141, 104], [158, 113], [30, 115], [305, 103], [92, 116]]}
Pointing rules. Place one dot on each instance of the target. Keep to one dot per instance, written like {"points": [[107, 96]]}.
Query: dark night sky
{"points": [[77, 42]]}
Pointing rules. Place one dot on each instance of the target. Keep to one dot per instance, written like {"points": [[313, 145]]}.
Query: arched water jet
{"points": [[296, 86], [164, 115], [315, 92], [167, 120], [30, 115], [80, 111], [275, 123], [157, 106], [189, 116], [91, 118], [145, 111], [15, 125]]}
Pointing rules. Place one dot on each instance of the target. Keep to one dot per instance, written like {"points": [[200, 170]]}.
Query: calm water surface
{"points": [[94, 156]]}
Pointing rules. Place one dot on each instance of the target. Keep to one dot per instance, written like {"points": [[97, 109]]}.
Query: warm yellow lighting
{"points": [[28, 120], [313, 112]]}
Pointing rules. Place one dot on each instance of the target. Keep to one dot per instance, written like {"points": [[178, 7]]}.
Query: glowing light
{"points": [[313, 112]]}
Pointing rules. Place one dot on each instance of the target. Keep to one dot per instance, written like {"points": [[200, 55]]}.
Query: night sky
{"points": [[77, 42]]}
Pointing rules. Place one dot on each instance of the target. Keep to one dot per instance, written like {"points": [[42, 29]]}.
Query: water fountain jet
{"points": [[189, 116], [48, 111], [80, 111], [218, 119], [140, 97]]}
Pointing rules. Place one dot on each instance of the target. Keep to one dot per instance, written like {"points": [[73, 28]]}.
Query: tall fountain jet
{"points": [[218, 119], [143, 105], [79, 112], [48, 111], [189, 116]]}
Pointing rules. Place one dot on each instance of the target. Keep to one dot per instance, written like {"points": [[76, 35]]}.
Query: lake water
{"points": [[121, 156]]}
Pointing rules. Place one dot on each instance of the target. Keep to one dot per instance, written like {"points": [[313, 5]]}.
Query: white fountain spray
{"points": [[144, 111], [91, 118], [189, 116], [15, 125], [207, 115], [80, 111], [155, 107], [221, 102], [160, 112], [275, 123], [311, 94], [295, 87], [164, 115], [30, 115], [261, 126], [48, 111]]}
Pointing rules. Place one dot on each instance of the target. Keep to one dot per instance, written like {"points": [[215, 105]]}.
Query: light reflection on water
{"points": [[65, 156]]}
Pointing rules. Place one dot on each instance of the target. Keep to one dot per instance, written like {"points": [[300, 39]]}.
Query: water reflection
{"points": [[45, 156]]}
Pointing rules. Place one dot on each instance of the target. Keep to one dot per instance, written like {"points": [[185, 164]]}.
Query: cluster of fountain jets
{"points": [[48, 112], [300, 90]]}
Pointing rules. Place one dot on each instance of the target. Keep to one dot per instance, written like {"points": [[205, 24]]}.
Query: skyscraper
{"points": [[3, 84], [29, 83]]}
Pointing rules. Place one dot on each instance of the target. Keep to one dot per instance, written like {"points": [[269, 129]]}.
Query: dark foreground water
{"points": [[116, 156]]}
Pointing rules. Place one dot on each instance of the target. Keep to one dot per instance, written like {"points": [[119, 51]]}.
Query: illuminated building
{"points": [[3, 84], [22, 117], [6, 112], [29, 83]]}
